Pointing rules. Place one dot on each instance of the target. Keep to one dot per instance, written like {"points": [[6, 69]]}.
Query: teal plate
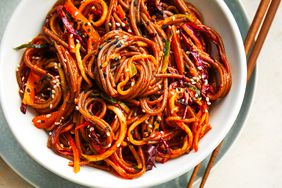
{"points": [[38, 176]]}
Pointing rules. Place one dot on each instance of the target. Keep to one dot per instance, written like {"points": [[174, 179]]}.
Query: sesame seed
{"points": [[196, 95], [117, 24], [89, 23], [207, 99], [48, 115], [206, 82], [64, 60], [38, 121], [118, 145], [177, 32], [76, 13], [91, 129], [173, 18], [53, 91], [116, 36], [110, 24], [200, 68], [76, 107], [206, 110], [135, 113], [208, 103], [162, 132], [108, 133], [23, 78], [132, 83], [71, 46], [21, 91], [57, 123], [123, 24], [146, 121], [193, 82], [17, 69], [109, 145], [50, 133], [77, 41], [89, 136], [143, 110], [71, 35], [124, 37], [129, 30], [159, 118], [93, 7], [51, 106], [150, 126], [62, 145], [52, 96]]}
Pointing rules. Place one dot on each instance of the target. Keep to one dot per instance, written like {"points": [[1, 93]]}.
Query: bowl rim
{"points": [[222, 5]]}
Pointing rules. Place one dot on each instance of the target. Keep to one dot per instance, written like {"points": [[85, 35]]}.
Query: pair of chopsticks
{"points": [[260, 26]]}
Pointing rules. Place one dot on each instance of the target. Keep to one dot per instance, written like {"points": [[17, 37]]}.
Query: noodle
{"points": [[122, 84]]}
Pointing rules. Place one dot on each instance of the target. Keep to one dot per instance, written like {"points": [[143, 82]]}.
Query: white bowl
{"points": [[25, 24]]}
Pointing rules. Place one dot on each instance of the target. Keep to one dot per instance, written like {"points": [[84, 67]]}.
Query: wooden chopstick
{"points": [[262, 36], [264, 11], [250, 38]]}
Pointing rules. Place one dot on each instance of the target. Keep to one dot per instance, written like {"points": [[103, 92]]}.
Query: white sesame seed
{"points": [[193, 82], [124, 37], [146, 121], [206, 110], [17, 69], [53, 91], [64, 60], [38, 121], [159, 118], [123, 24], [77, 41], [109, 145], [116, 36], [76, 108], [132, 83], [76, 13], [93, 7], [52, 96], [162, 132], [110, 24], [177, 32], [135, 113], [21, 91], [89, 23], [91, 129], [159, 86], [50, 133], [196, 95], [48, 115], [173, 18], [89, 136], [108, 133], [122, 41], [117, 24], [23, 78], [51, 106], [206, 82], [200, 68], [57, 123], [62, 145], [118, 145], [150, 126], [208, 103], [207, 99], [71, 46], [71, 35], [129, 30], [143, 110]]}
